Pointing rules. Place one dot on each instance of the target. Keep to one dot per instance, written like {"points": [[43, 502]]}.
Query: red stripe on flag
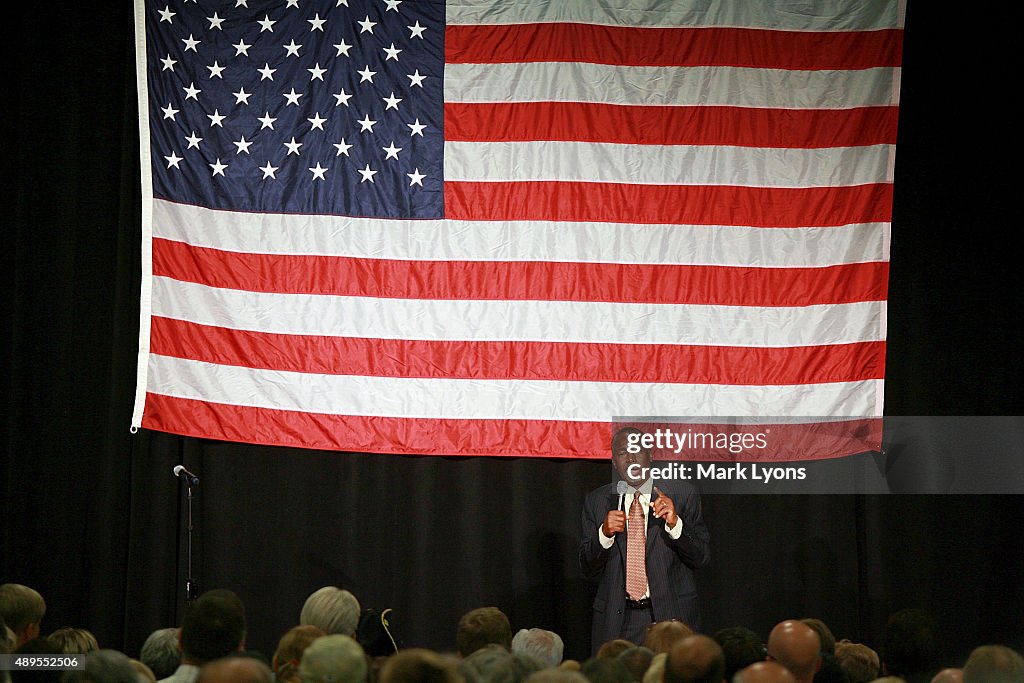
{"points": [[520, 280], [536, 438], [710, 46], [673, 204], [643, 125], [519, 360]]}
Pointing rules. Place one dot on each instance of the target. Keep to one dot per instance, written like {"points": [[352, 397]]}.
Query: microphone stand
{"points": [[191, 587]]}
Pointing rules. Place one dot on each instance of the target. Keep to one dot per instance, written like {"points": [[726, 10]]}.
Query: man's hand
{"points": [[614, 522], [665, 509]]}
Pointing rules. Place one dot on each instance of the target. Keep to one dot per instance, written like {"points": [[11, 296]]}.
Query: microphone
{"points": [[621, 489], [182, 473]]}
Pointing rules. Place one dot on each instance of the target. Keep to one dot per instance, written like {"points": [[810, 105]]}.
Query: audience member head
{"points": [[36, 646], [480, 627], [661, 636], [333, 658], [859, 661], [7, 638], [825, 637], [993, 664], [104, 666], [949, 676], [741, 647], [545, 645], [23, 609], [235, 670], [764, 672], [374, 632], [830, 671], [419, 665], [285, 661], [637, 659], [160, 652], [559, 675], [213, 627], [609, 670], [477, 665], [656, 669], [494, 664], [613, 648], [795, 645], [910, 646], [333, 610], [695, 659], [73, 641], [145, 674], [230, 597]]}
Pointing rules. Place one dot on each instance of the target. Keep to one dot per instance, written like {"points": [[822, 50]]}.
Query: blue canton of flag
{"points": [[298, 106]]}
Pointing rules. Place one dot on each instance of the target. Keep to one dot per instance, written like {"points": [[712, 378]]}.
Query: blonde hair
{"points": [[71, 641], [21, 606]]}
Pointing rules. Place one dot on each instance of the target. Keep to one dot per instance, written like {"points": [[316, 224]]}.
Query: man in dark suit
{"points": [[655, 582]]}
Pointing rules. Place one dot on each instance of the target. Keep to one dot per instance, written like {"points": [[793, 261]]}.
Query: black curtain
{"points": [[92, 517]]}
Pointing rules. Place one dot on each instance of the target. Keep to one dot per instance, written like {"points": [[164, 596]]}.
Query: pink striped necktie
{"points": [[636, 542]]}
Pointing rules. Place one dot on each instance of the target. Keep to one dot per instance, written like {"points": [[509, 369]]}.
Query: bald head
{"points": [[764, 672], [695, 659], [949, 676], [796, 646], [994, 664], [661, 636], [235, 670]]}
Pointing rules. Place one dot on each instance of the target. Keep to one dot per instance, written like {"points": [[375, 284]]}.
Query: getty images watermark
{"points": [[682, 440]]}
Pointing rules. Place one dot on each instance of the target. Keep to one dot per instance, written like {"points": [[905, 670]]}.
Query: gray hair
{"points": [[494, 664], [332, 609], [546, 645], [333, 659], [104, 666], [160, 652]]}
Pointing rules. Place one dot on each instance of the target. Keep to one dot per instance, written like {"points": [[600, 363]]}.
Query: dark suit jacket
{"points": [[670, 563]]}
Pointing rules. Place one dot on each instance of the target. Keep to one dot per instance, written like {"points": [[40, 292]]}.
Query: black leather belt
{"points": [[638, 604]]}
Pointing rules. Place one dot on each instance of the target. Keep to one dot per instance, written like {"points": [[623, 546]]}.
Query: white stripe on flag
{"points": [[690, 86], [446, 240], [666, 165], [780, 15], [561, 321], [493, 399]]}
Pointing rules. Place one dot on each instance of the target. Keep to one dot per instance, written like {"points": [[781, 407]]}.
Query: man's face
{"points": [[623, 459]]}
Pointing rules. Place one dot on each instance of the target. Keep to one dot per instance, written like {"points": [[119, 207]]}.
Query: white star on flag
{"points": [[416, 178], [342, 147], [318, 171], [269, 171], [366, 125], [367, 174], [317, 122], [173, 160], [366, 26]]}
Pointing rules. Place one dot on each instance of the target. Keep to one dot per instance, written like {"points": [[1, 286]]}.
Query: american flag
{"points": [[490, 227]]}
